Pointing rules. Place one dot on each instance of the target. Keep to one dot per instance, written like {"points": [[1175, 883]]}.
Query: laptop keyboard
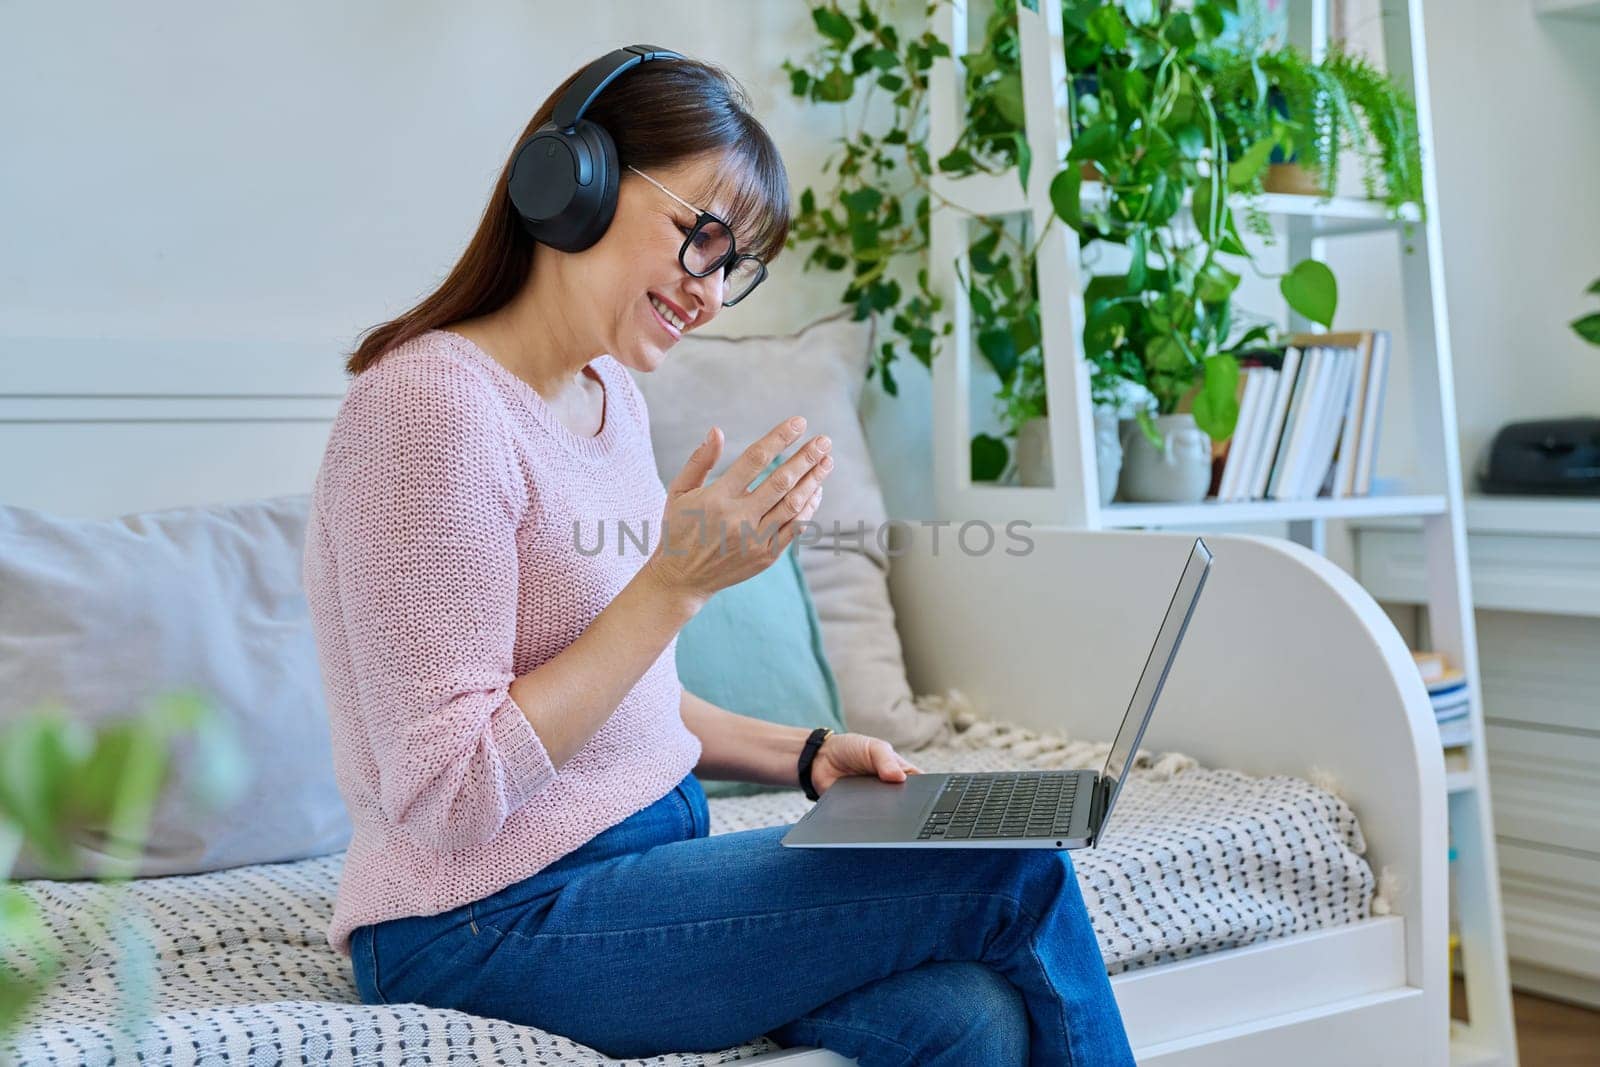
{"points": [[1024, 804]]}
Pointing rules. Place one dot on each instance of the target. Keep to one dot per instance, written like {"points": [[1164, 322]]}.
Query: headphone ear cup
{"points": [[563, 185]]}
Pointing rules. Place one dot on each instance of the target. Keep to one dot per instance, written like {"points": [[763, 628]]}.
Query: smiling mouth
{"points": [[665, 315]]}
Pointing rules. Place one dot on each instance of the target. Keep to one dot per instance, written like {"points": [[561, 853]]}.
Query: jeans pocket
{"points": [[695, 809]]}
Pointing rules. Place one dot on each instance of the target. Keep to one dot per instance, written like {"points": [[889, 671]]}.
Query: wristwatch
{"points": [[807, 754]]}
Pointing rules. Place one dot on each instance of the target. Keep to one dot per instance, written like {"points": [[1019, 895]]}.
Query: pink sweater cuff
{"points": [[529, 768]]}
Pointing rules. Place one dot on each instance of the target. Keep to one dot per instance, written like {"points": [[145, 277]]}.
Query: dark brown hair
{"points": [[660, 113]]}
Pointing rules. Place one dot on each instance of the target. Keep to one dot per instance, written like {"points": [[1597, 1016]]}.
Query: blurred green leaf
{"points": [[1215, 283], [1588, 327], [1000, 349], [835, 86], [1136, 263], [989, 455], [1066, 196], [1166, 354], [59, 778], [1244, 169], [1311, 289], [1216, 407], [834, 25], [958, 159]]}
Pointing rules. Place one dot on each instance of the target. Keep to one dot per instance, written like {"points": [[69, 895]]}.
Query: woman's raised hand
{"points": [[717, 535]]}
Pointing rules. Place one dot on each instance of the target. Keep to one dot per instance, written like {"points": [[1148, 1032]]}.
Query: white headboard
{"points": [[93, 428]]}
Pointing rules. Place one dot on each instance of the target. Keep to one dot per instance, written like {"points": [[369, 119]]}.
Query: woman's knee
{"points": [[943, 1013], [981, 1019], [1036, 878]]}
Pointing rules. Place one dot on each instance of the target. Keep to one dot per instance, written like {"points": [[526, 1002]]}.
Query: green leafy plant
{"points": [[61, 782], [1588, 326], [1166, 131], [1148, 131]]}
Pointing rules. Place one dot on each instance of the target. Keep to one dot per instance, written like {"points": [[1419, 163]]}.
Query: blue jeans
{"points": [[656, 937]]}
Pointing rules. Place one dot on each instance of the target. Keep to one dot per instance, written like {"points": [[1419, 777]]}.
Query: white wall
{"points": [[179, 174], [1516, 113], [301, 169], [178, 177], [1518, 130]]}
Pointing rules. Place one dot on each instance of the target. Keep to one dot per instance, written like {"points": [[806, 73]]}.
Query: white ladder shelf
{"points": [[1073, 499]]}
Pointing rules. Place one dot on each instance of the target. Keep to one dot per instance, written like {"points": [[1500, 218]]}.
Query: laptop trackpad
{"points": [[866, 809]]}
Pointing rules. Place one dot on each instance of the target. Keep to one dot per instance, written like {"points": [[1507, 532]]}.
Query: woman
{"points": [[531, 841]]}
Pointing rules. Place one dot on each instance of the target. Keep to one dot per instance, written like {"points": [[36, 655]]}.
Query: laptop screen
{"points": [[1154, 676]]}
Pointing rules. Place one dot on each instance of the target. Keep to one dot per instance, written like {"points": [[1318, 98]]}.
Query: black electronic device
{"points": [[1544, 457], [563, 180]]}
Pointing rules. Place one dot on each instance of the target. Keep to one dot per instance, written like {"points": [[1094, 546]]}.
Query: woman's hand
{"points": [[842, 755], [704, 544]]}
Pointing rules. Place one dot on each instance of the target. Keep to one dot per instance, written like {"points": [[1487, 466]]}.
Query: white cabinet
{"points": [[1535, 566]]}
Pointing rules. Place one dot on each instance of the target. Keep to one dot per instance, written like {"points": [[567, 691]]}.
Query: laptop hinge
{"points": [[1097, 808]]}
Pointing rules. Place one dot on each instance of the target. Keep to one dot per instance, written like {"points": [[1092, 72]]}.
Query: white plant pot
{"points": [[1033, 452], [1180, 471]]}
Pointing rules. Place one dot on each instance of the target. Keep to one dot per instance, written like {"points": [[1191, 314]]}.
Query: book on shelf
{"points": [[1296, 425], [1308, 419], [1267, 447], [1256, 385], [1322, 416], [1372, 415]]}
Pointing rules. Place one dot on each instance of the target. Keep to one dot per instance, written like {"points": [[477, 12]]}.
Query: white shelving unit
{"points": [[1073, 499]]}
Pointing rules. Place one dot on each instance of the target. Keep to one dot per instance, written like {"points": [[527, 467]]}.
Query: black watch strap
{"points": [[807, 754]]}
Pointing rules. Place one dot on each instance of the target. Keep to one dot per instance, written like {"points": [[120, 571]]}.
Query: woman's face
{"points": [[636, 263]]}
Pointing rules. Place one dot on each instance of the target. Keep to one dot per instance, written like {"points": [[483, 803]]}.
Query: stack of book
{"points": [[1308, 419], [1447, 689]]}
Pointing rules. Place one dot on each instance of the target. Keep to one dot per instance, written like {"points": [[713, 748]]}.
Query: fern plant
{"points": [[1279, 98]]}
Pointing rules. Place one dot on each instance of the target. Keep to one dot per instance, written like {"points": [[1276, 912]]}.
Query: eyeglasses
{"points": [[710, 247]]}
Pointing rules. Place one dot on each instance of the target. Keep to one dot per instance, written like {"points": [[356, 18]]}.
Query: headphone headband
{"points": [[599, 74]]}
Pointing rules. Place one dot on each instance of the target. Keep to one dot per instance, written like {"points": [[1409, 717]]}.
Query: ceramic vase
{"points": [[1179, 471]]}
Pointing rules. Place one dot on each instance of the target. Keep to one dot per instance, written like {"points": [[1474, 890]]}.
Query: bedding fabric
{"points": [[1194, 861]]}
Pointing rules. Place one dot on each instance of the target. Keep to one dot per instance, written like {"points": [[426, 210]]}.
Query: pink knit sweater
{"points": [[439, 565]]}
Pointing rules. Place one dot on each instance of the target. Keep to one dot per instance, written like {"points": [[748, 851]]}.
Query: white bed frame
{"points": [[1288, 667]]}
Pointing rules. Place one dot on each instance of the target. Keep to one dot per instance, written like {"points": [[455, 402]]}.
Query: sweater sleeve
{"points": [[422, 518]]}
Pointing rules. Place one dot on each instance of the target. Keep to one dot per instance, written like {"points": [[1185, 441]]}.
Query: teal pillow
{"points": [[756, 648]]}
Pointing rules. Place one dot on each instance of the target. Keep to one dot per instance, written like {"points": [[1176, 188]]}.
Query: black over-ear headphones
{"points": [[563, 180]]}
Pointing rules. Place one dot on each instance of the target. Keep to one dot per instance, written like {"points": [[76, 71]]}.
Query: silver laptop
{"points": [[1003, 809]]}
